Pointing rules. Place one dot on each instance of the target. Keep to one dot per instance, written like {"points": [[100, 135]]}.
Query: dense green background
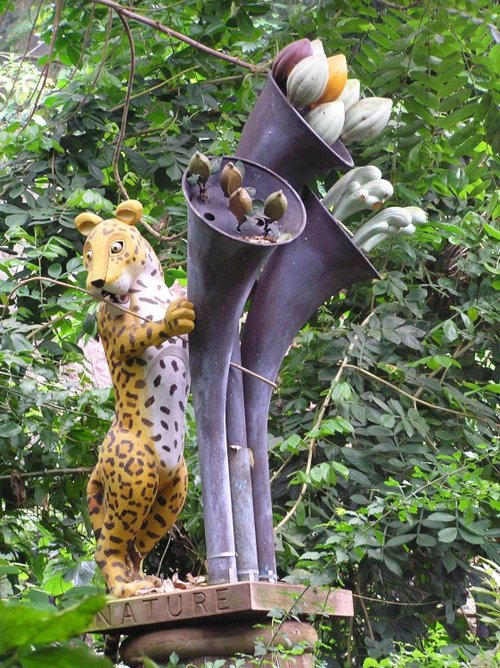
{"points": [[383, 429]]}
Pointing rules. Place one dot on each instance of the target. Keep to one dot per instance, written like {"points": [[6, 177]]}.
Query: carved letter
{"points": [[199, 599], [222, 603], [172, 608], [128, 614], [104, 616]]}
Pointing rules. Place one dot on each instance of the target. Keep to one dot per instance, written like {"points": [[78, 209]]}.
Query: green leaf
{"points": [[392, 565], [441, 517], [22, 625], [9, 429], [447, 535], [450, 330], [491, 231], [472, 538], [64, 657], [426, 540], [396, 541]]}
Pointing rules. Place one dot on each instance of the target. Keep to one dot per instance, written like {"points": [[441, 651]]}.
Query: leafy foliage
{"points": [[383, 431], [28, 634]]}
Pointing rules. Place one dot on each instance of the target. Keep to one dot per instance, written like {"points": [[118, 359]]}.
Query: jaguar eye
{"points": [[116, 247], [88, 256]]}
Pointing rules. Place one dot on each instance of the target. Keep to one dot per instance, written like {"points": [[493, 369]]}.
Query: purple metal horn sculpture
{"points": [[222, 267], [295, 281], [276, 135]]}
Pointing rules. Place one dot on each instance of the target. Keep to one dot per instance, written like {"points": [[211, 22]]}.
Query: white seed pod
{"points": [[370, 195], [307, 81], [379, 188], [327, 120], [366, 119], [418, 215], [350, 94], [390, 221], [359, 174], [317, 47]]}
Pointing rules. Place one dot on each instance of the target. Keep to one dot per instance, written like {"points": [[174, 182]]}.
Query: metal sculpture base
{"points": [[221, 621]]}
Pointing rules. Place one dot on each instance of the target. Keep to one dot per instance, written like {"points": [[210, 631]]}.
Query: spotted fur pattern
{"points": [[139, 484]]}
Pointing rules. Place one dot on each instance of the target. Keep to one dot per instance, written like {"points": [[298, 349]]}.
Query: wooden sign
{"points": [[242, 600]]}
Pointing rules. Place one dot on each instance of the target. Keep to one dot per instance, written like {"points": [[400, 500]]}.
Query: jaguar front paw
{"points": [[180, 317]]}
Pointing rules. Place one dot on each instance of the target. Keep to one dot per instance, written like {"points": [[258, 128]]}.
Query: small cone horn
{"points": [[222, 267], [296, 280], [277, 136]]}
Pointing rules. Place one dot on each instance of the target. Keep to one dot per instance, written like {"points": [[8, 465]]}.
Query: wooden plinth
{"points": [[234, 601], [198, 645], [202, 624]]}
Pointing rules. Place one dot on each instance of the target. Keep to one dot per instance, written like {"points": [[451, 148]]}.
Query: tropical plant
{"points": [[383, 433]]}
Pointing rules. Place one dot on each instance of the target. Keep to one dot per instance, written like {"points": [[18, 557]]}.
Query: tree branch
{"points": [[156, 25], [47, 473]]}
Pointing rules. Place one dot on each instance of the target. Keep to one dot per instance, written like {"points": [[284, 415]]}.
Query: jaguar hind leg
{"points": [[129, 475], [165, 510], [95, 502]]}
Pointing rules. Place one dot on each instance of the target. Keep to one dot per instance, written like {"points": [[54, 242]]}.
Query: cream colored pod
{"points": [[307, 81], [327, 120], [366, 119], [350, 94]]}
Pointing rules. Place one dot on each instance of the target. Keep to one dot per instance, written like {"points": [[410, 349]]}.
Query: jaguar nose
{"points": [[98, 283]]}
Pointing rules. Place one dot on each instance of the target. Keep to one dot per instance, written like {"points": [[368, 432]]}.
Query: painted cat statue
{"points": [[139, 484]]}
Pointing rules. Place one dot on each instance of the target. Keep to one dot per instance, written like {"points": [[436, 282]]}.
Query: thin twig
{"points": [[252, 373], [46, 69], [126, 105], [23, 58], [365, 613], [393, 5], [177, 35], [384, 601], [100, 66], [46, 279], [85, 44], [420, 401], [159, 236], [48, 473], [161, 85], [317, 424], [459, 352]]}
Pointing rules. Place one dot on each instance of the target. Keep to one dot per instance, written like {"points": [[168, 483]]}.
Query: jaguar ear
{"points": [[85, 222], [129, 212]]}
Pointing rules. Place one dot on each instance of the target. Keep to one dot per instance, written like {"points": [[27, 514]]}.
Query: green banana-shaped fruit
{"points": [[390, 220], [356, 197]]}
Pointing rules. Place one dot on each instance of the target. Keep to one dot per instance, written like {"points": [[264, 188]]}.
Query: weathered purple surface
{"points": [[295, 281], [222, 267], [276, 135]]}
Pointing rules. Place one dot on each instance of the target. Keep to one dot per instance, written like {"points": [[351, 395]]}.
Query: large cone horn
{"points": [[277, 136], [222, 266], [295, 281]]}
